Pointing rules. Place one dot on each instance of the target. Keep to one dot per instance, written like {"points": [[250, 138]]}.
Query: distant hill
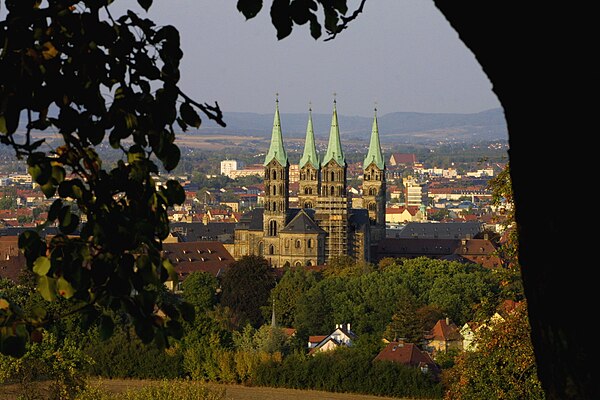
{"points": [[397, 126]]}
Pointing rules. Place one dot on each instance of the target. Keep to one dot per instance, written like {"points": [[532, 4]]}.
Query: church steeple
{"points": [[310, 151], [374, 185], [310, 174], [374, 155], [334, 148], [276, 149]]}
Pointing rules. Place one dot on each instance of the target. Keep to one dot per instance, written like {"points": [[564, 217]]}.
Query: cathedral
{"points": [[324, 225]]}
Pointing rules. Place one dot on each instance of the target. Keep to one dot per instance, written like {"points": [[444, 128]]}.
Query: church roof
{"points": [[276, 149], [252, 220], [310, 151], [334, 148], [302, 223], [374, 155]]}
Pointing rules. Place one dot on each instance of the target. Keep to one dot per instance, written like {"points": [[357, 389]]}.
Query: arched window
{"points": [[308, 204], [261, 249], [274, 191], [308, 264], [372, 192], [273, 174], [298, 243], [272, 228], [332, 176], [309, 244], [372, 207], [298, 264], [332, 191], [271, 249]]}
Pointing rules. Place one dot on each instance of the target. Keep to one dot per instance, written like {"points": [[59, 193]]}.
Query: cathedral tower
{"points": [[333, 204], [276, 181], [310, 174], [374, 185]]}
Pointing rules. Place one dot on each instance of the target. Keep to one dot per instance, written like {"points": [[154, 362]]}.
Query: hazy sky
{"points": [[402, 54]]}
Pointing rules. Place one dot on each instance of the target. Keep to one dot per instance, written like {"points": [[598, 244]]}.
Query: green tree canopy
{"points": [[200, 290], [246, 287]]}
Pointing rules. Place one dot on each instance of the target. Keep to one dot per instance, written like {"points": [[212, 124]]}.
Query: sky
{"points": [[398, 55]]}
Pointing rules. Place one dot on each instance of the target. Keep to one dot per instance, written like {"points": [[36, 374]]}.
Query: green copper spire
{"points": [[374, 155], [310, 151], [334, 148], [276, 150]]}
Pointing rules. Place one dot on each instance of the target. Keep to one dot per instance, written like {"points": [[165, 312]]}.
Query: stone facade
{"points": [[325, 225]]}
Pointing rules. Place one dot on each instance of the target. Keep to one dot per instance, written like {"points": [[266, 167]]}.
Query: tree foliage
{"points": [[246, 287], [71, 67], [502, 367], [502, 197]]}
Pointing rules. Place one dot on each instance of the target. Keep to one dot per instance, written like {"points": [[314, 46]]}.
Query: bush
{"points": [[60, 365], [164, 390], [124, 355]]}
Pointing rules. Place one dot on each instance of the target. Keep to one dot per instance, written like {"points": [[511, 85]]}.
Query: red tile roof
{"points": [[405, 353], [207, 256]]}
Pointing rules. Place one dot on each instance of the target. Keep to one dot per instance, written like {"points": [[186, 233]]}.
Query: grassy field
{"points": [[232, 392]]}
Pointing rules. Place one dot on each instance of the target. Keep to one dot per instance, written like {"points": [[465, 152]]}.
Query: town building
{"points": [[325, 224]]}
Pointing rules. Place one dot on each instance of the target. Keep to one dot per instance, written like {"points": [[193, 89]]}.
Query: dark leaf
{"points": [[249, 8], [175, 329], [145, 4], [170, 157], [189, 115], [144, 330], [188, 313], [280, 17], [107, 327], [315, 27], [54, 210], [175, 193]]}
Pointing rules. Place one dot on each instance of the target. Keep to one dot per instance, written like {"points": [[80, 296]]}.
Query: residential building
{"points": [[341, 336], [408, 354]]}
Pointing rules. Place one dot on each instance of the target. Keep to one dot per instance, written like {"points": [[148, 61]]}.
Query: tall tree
{"points": [[246, 287]]}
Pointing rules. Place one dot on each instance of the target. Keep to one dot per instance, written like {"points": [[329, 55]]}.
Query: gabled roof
{"points": [[403, 158], [252, 220], [445, 330], [207, 256], [406, 354], [302, 223], [196, 231]]}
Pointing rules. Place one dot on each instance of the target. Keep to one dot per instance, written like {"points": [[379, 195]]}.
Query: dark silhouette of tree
{"points": [[517, 47]]}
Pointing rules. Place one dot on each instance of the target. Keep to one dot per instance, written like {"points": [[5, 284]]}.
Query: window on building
{"points": [[272, 228]]}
